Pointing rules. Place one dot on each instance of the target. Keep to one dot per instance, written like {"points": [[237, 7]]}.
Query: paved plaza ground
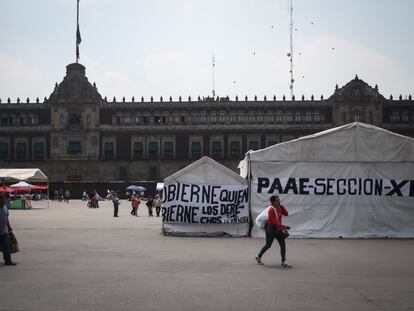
{"points": [[75, 258]]}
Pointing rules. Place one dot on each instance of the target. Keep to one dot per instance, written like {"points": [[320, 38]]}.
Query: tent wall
{"points": [[355, 180], [206, 174], [327, 199]]}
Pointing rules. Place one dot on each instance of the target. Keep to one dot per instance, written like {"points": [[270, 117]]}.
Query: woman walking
{"points": [[274, 229]]}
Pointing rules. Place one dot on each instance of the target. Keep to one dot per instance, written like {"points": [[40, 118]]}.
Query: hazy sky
{"points": [[164, 47]]}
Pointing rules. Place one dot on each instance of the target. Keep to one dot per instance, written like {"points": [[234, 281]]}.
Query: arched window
{"points": [[213, 118], [316, 116], [308, 117], [240, 117], [279, 117], [127, 119], [138, 119], [260, 117], [270, 117], [289, 116], [222, 117], [298, 117], [405, 116], [233, 117], [251, 118], [395, 116], [195, 118], [203, 118]]}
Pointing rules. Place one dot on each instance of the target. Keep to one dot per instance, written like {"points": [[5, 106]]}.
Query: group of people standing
{"points": [[151, 204], [60, 196]]}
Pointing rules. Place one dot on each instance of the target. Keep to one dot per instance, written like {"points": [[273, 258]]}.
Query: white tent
{"points": [[21, 184], [205, 198], [356, 180], [28, 174]]}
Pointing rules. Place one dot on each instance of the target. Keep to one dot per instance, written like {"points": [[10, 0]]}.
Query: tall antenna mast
{"points": [[292, 80], [212, 70]]}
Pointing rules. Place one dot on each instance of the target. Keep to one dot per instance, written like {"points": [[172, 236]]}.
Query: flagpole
{"points": [[77, 30]]}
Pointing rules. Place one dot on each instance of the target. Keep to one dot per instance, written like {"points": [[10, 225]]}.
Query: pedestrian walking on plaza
{"points": [[149, 205], [115, 202], [67, 196], [274, 229], [5, 231], [135, 204], [157, 204]]}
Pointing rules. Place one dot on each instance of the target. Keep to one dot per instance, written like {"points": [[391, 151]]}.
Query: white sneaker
{"points": [[259, 260], [285, 265]]}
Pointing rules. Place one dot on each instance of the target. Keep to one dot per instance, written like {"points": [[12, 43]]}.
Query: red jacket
{"points": [[272, 219]]}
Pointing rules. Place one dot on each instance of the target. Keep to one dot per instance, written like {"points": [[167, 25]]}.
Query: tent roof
{"points": [[206, 171], [21, 184], [30, 174], [354, 142]]}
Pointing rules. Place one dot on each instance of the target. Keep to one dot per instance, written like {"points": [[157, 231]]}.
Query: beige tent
{"points": [[27, 174], [24, 174]]}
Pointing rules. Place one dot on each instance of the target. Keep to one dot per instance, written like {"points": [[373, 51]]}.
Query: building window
{"points": [[195, 118], [153, 149], [195, 149], [138, 119], [138, 150], [251, 117], [157, 119], [168, 149], [270, 118], [222, 117], [298, 117], [371, 117], [109, 150], [253, 145], [74, 147], [127, 119], [4, 121], [21, 149], [117, 120], [176, 119], [241, 117], [4, 151], [39, 151], [203, 118], [279, 117], [235, 149], [233, 117], [216, 148], [260, 118], [308, 117], [395, 116], [356, 116], [289, 116], [213, 118], [405, 116], [316, 116], [146, 120]]}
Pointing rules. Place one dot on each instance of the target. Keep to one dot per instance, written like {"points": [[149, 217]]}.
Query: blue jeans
{"points": [[5, 248]]}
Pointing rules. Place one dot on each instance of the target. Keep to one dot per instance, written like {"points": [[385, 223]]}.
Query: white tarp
{"points": [[352, 181], [21, 184], [29, 174], [205, 198]]}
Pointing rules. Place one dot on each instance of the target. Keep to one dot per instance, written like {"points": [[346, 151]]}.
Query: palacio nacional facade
{"points": [[78, 136]]}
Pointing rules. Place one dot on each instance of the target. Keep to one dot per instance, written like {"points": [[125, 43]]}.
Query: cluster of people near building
{"points": [[61, 196]]}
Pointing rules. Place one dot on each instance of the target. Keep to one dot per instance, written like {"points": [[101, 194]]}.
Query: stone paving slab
{"points": [[76, 258]]}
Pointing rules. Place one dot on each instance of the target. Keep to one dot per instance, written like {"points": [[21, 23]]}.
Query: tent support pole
{"points": [[249, 182], [48, 193]]}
